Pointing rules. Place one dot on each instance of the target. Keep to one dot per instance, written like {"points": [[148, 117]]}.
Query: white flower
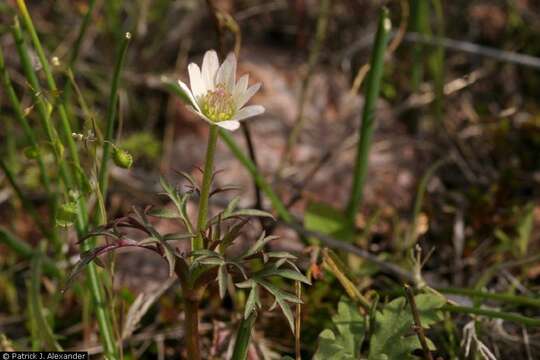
{"points": [[215, 96]]}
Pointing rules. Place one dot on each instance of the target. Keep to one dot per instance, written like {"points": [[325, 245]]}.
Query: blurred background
{"points": [[460, 91]]}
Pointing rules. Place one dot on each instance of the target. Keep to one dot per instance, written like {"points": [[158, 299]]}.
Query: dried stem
{"points": [[418, 324]]}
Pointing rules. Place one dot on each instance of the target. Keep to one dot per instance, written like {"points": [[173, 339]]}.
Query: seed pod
{"points": [[122, 158]]}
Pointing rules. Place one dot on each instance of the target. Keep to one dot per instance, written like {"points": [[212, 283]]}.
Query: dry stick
{"points": [[418, 324], [298, 321], [322, 25]]}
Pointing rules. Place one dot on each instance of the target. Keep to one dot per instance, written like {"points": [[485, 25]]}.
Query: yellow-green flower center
{"points": [[218, 104]]}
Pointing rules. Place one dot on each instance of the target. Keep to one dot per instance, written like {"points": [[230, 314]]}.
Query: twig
{"points": [[418, 324], [475, 49], [456, 45], [219, 31], [298, 321]]}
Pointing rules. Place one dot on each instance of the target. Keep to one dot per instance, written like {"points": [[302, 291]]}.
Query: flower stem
{"points": [[191, 326], [197, 242], [243, 337]]}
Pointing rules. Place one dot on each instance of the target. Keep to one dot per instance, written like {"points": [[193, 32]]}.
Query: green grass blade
{"points": [[98, 296], [494, 314], [65, 124], [436, 62], [25, 251], [419, 200], [45, 333], [19, 115], [82, 32], [111, 115], [419, 24], [368, 116]]}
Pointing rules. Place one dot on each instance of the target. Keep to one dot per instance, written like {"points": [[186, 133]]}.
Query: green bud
{"points": [[31, 152], [122, 158], [67, 213]]}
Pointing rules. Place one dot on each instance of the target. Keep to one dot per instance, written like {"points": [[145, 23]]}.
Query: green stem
{"points": [[368, 117], [45, 332], [69, 181], [29, 133], [197, 242], [508, 298], [64, 121], [494, 314], [111, 116], [82, 32], [436, 62], [277, 204], [419, 24], [19, 115], [66, 94], [37, 97], [243, 337]]}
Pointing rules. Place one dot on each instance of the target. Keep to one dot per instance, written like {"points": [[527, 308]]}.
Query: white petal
{"points": [[243, 98], [198, 87], [226, 74], [189, 95], [199, 114], [229, 124], [248, 111], [241, 86], [210, 67]]}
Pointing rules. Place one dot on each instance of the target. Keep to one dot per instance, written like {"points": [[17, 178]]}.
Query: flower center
{"points": [[218, 104]]}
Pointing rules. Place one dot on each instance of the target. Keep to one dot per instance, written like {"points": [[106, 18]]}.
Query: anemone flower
{"points": [[216, 96]]}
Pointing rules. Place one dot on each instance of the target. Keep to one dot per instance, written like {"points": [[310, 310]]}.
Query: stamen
{"points": [[218, 104]]}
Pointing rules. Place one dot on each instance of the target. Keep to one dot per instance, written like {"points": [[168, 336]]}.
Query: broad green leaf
{"points": [[393, 336], [345, 343], [331, 348]]}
